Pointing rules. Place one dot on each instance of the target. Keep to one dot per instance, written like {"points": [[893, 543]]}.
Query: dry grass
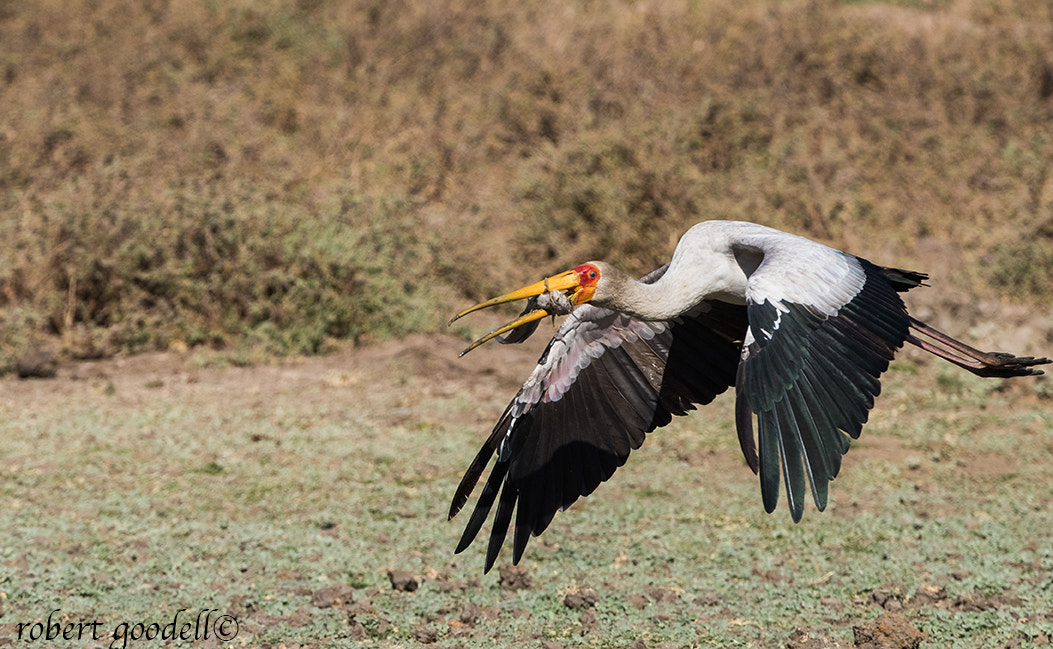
{"points": [[292, 174]]}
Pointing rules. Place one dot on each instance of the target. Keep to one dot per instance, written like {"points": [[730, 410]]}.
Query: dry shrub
{"points": [[288, 174]]}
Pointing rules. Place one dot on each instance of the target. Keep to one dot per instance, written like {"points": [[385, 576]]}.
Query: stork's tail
{"points": [[980, 363]]}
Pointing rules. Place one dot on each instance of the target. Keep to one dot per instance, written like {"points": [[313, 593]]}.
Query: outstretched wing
{"points": [[604, 381], [823, 326]]}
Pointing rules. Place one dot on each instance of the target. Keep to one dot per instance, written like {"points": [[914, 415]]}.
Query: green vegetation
{"points": [[271, 177], [284, 495]]}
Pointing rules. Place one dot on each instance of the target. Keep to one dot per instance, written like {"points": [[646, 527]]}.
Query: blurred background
{"points": [[266, 178]]}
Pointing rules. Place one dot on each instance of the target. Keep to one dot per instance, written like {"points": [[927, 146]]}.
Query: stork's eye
{"points": [[592, 274]]}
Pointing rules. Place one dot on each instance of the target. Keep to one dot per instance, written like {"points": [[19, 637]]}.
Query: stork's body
{"points": [[803, 331]]}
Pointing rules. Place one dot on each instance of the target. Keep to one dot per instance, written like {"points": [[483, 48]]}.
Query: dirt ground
{"points": [[416, 388]]}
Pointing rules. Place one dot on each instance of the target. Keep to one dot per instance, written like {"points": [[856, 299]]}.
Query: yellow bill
{"points": [[569, 281]]}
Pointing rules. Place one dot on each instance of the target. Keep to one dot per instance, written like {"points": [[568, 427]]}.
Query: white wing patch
{"points": [[779, 310], [585, 335], [803, 272]]}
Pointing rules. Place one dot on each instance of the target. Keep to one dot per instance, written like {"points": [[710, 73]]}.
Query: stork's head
{"points": [[573, 287]]}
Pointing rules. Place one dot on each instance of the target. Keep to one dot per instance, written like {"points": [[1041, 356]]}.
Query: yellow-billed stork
{"points": [[803, 332]]}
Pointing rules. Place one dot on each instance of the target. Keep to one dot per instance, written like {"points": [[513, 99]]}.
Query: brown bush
{"points": [[236, 173]]}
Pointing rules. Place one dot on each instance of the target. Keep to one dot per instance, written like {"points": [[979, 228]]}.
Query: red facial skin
{"points": [[588, 277]]}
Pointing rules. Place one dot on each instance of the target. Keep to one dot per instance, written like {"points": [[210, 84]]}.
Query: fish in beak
{"points": [[572, 287]]}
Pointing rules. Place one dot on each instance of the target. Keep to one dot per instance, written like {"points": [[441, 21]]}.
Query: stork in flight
{"points": [[802, 331]]}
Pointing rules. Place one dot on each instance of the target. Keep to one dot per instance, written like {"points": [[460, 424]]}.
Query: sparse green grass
{"points": [[249, 492]]}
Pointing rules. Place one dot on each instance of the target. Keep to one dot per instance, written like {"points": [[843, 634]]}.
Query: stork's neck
{"points": [[715, 260], [692, 276]]}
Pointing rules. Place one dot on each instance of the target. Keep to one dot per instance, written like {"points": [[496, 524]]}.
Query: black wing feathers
{"points": [[808, 377], [561, 450], [695, 374], [744, 422], [903, 280]]}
